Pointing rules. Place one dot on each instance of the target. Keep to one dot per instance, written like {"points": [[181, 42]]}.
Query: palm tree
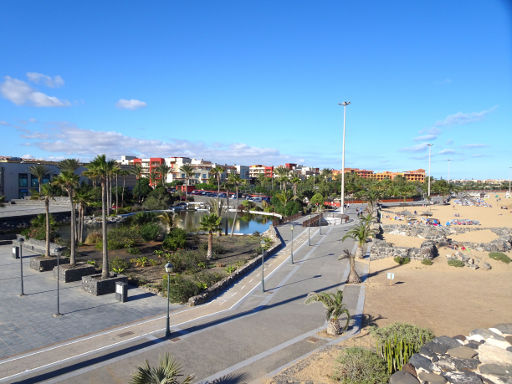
{"points": [[39, 171], [235, 180], [282, 174], [360, 233], [169, 371], [163, 170], [47, 192], [188, 170], [83, 198], [353, 277], [166, 218], [68, 182], [69, 165], [295, 180], [334, 309], [217, 173], [112, 168], [98, 169], [210, 223]]}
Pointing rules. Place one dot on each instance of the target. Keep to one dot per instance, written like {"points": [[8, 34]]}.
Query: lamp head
{"points": [[21, 240], [168, 267], [345, 103], [291, 227]]}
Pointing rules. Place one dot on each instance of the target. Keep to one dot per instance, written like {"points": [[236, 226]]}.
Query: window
{"points": [[34, 183], [23, 180]]}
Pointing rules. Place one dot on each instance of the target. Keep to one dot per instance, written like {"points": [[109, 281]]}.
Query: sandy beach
{"points": [[446, 299]]}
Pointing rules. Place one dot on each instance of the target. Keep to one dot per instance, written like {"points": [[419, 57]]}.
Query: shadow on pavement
{"points": [[228, 379], [140, 296]]}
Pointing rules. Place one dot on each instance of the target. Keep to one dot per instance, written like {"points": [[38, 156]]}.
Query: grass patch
{"points": [[456, 263], [360, 366], [500, 256], [426, 262]]}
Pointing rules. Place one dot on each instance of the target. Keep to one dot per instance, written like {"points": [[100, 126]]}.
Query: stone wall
{"points": [[40, 246], [380, 250], [485, 356]]}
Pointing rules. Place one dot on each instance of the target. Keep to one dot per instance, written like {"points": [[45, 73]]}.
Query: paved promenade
{"points": [[243, 334]]}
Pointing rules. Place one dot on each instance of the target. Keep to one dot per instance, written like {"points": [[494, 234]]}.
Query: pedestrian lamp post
{"points": [[21, 240], [342, 202], [262, 244], [58, 314], [291, 254], [309, 234], [168, 269]]}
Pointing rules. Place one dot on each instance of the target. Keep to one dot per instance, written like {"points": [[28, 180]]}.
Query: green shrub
{"points": [[118, 265], [360, 366], [120, 237], [230, 269], [181, 289], [141, 218], [206, 279], [132, 250], [187, 261], [397, 342], [402, 260], [455, 263], [93, 237], [37, 229], [175, 239], [500, 256], [426, 262], [150, 231]]}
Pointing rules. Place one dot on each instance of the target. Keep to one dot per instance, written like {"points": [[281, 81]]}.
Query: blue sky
{"points": [[260, 81]]}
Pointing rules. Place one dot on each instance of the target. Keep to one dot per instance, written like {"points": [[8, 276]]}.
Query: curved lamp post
{"points": [[168, 269], [291, 254]]}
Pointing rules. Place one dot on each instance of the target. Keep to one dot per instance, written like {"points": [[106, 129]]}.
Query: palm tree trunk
{"points": [[47, 210], [236, 211], [122, 192], [361, 251], [104, 268], [73, 229], [210, 245], [353, 277], [117, 202]]}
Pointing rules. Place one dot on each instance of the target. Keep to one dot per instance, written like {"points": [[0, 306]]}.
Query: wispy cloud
{"points": [[461, 118], [131, 104], [70, 140], [470, 146], [20, 93], [416, 148], [4, 123], [39, 78], [425, 137], [447, 151]]}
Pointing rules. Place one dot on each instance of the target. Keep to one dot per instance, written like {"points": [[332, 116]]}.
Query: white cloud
{"points": [[2, 122], [425, 137], [416, 148], [27, 156], [461, 118], [447, 152], [131, 104], [20, 93], [86, 143], [39, 78]]}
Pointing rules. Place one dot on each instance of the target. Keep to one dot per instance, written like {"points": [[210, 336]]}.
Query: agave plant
{"points": [[334, 309]]}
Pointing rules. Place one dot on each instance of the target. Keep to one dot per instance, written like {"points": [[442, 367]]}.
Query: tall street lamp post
{"points": [[342, 203], [58, 314], [168, 269], [262, 244], [429, 150], [21, 240], [291, 253]]}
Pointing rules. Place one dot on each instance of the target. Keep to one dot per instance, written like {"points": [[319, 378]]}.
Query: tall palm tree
{"points": [[235, 180], [210, 223], [167, 372], [39, 171], [47, 192], [334, 309], [163, 170], [112, 168], [166, 218], [188, 170], [98, 169], [124, 172], [295, 180], [360, 233], [69, 165], [68, 182], [282, 174], [217, 173], [83, 198], [353, 277]]}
